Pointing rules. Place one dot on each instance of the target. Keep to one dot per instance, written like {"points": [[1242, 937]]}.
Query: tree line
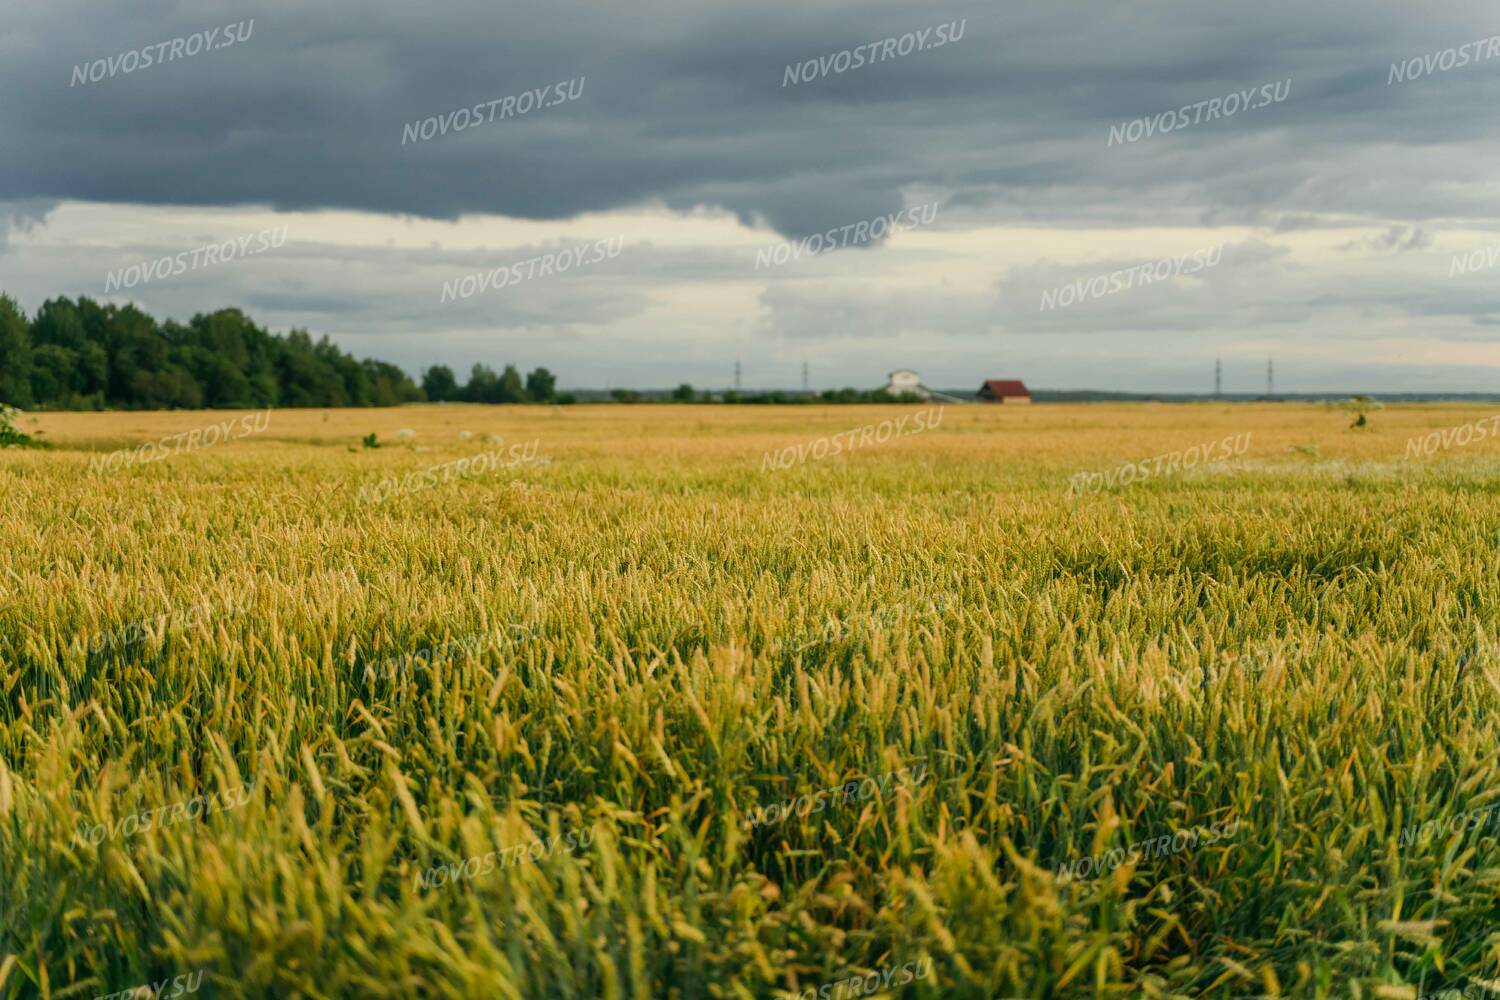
{"points": [[85, 355]]}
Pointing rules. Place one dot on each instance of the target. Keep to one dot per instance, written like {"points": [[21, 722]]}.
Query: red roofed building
{"points": [[997, 390]]}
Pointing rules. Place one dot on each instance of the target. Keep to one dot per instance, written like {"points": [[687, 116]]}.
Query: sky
{"points": [[636, 195]]}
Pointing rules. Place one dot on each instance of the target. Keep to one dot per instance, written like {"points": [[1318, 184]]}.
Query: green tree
{"points": [[93, 372], [512, 389], [224, 384], [541, 385], [305, 378], [483, 387], [135, 345], [15, 354], [88, 355], [439, 384], [683, 393], [351, 372], [389, 385], [58, 322], [54, 371], [1360, 406], [169, 389]]}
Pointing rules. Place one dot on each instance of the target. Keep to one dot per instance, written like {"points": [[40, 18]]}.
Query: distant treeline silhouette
{"points": [[87, 356]]}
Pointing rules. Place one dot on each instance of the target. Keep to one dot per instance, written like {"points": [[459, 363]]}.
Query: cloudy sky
{"points": [[376, 138]]}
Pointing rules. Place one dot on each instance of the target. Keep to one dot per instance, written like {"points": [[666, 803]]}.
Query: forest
{"points": [[84, 355]]}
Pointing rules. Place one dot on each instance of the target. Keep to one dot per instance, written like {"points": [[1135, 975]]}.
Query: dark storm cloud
{"points": [[684, 104], [23, 216]]}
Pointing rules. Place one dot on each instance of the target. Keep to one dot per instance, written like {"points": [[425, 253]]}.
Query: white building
{"points": [[904, 380]]}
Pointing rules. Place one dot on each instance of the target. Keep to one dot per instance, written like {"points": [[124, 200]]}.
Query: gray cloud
{"points": [[685, 104], [684, 107], [22, 215]]}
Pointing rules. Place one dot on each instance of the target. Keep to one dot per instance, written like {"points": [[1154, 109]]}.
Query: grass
{"points": [[640, 640]]}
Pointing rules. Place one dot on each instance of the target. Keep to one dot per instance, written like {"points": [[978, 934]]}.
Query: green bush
{"points": [[12, 436]]}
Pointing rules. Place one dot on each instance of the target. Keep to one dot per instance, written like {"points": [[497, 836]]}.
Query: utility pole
{"points": [[804, 377], [1270, 379], [736, 374], [1218, 378]]}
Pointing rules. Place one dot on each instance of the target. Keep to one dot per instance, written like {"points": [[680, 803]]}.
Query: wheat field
{"points": [[598, 701]]}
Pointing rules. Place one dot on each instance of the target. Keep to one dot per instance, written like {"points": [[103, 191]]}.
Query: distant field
{"points": [[641, 701]]}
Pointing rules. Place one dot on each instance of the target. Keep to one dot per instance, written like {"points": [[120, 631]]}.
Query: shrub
{"points": [[12, 436]]}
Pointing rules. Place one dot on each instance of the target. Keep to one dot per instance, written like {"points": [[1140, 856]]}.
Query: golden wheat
{"points": [[516, 734]]}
